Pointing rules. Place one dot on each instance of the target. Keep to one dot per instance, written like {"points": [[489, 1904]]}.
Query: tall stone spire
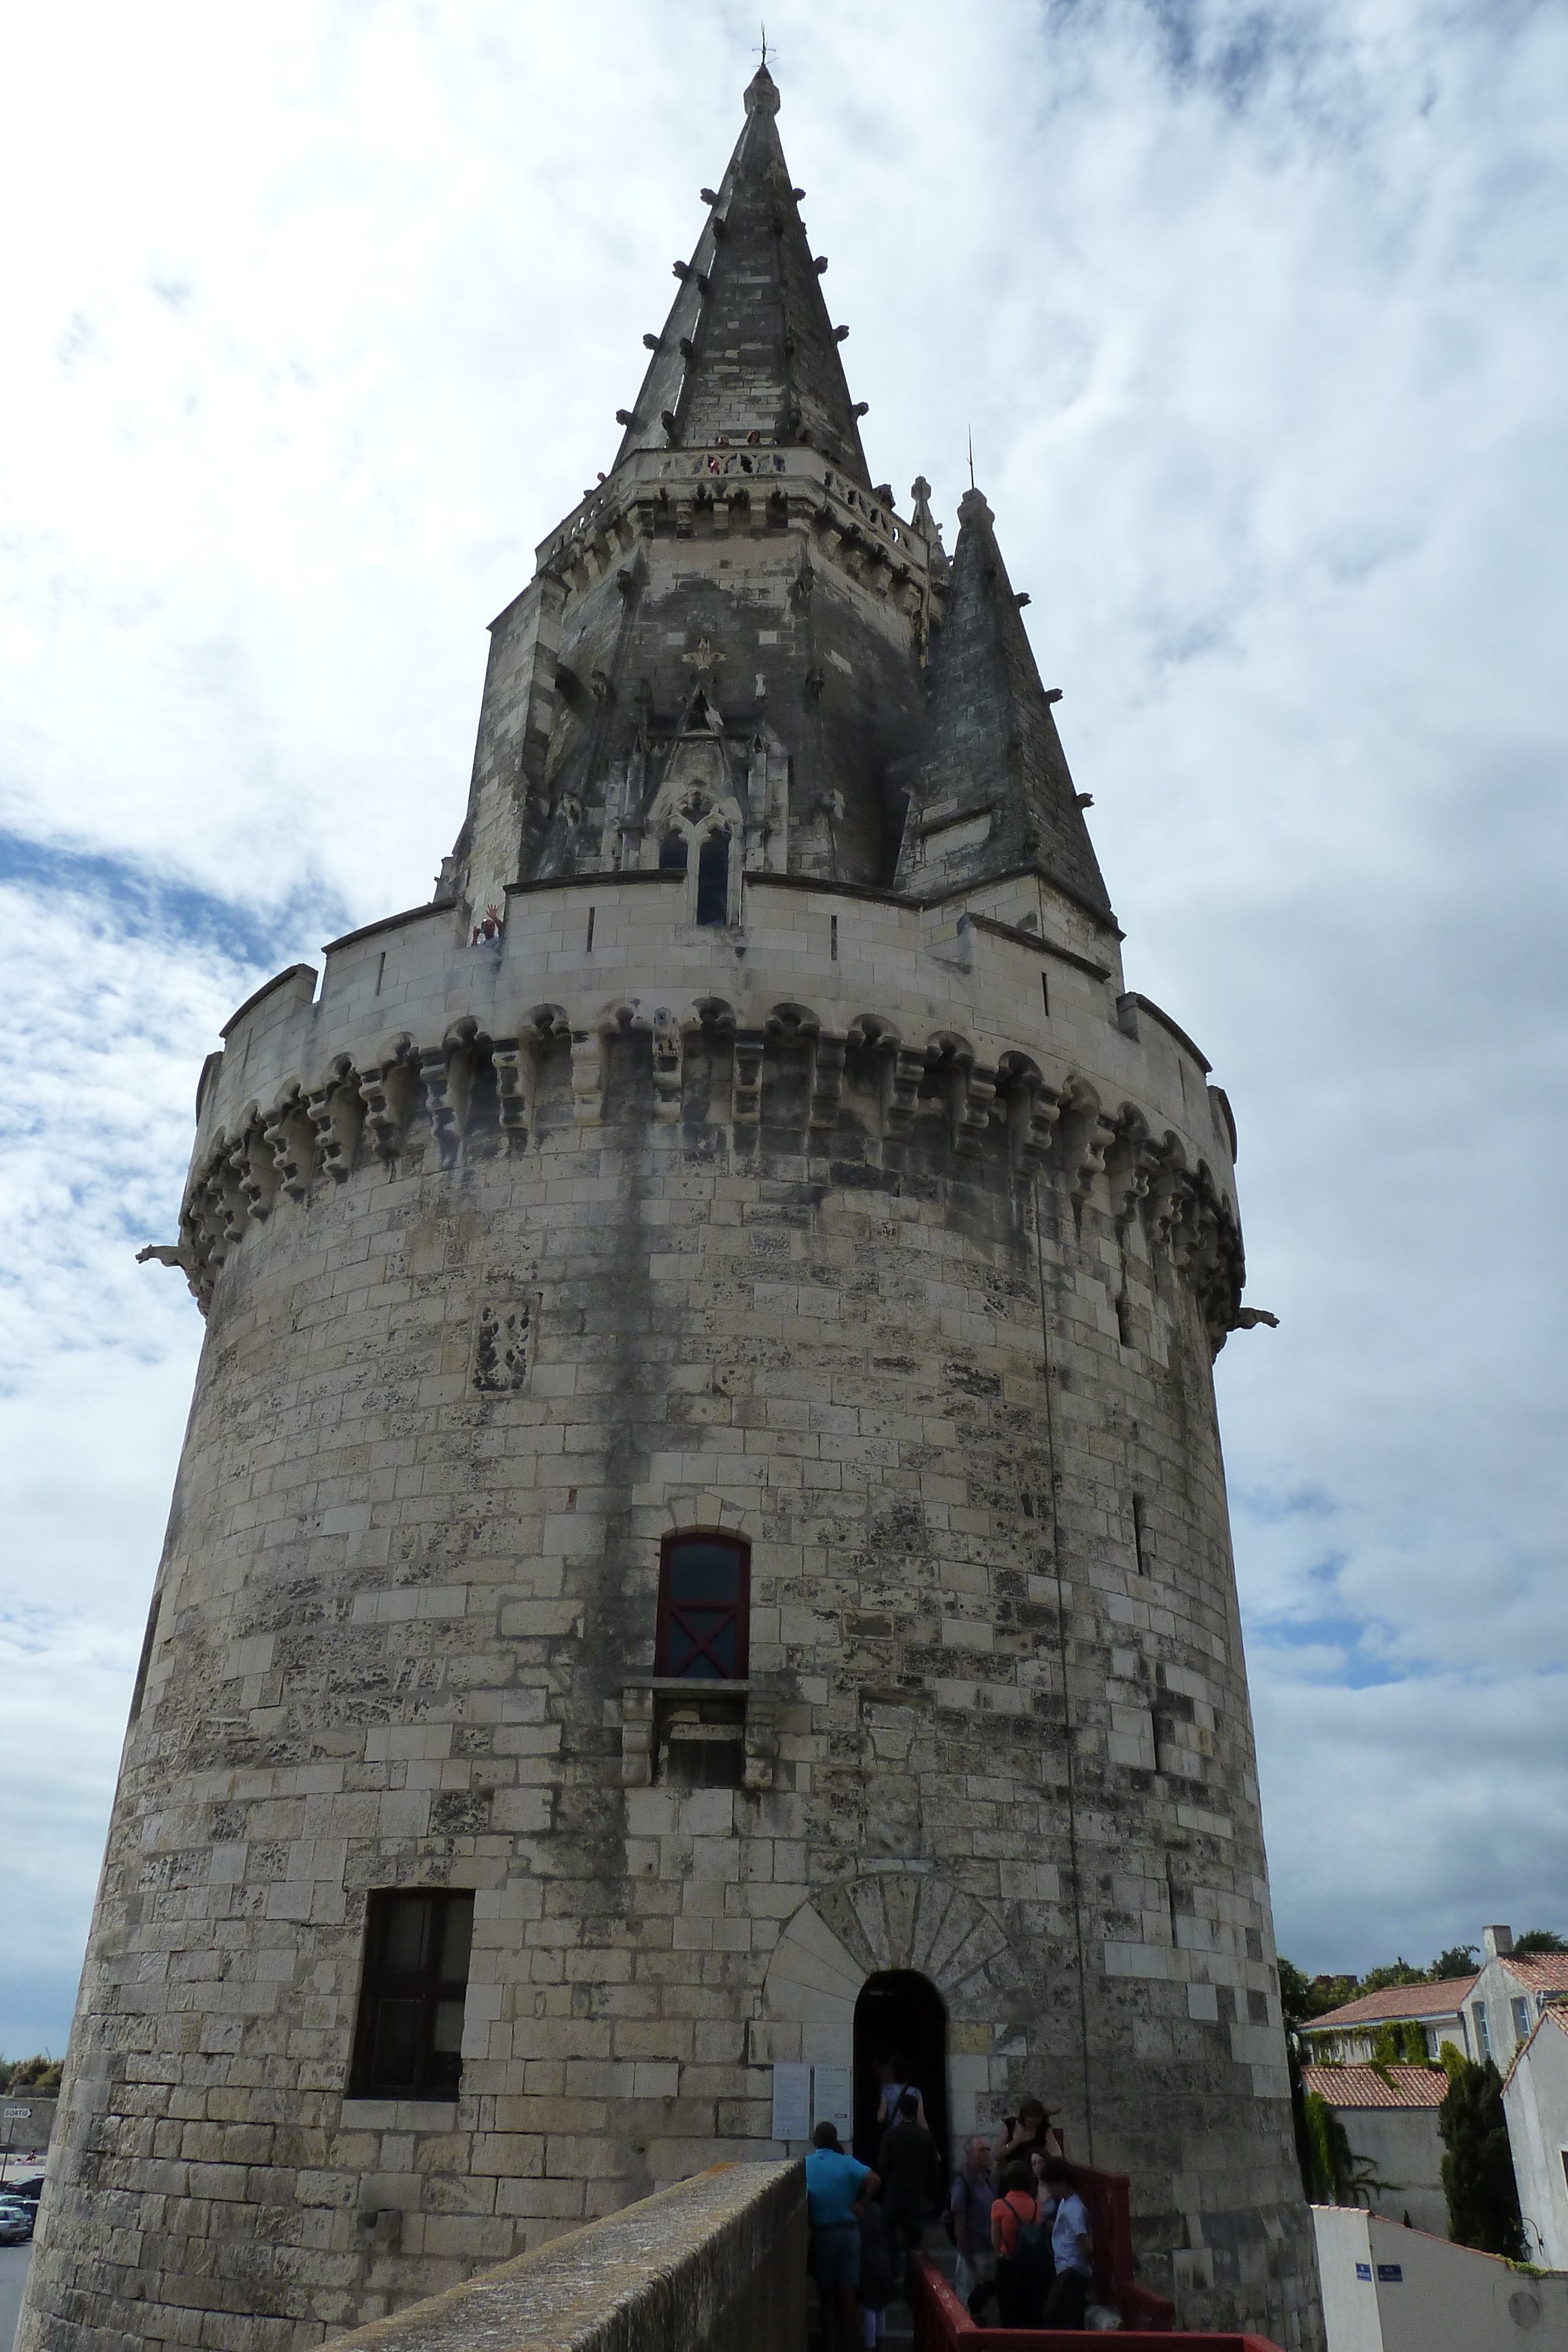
{"points": [[992, 791], [749, 346]]}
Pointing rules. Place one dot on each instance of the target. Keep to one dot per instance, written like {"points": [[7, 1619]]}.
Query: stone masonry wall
{"points": [[837, 1229]]}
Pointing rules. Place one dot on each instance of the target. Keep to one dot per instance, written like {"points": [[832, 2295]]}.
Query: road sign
{"points": [[17, 2114]]}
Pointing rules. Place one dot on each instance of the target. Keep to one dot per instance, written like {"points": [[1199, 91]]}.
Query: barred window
{"points": [[408, 2043], [704, 1605]]}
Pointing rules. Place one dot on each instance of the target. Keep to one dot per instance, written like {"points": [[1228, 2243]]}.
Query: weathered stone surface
{"points": [[890, 1232], [718, 2264]]}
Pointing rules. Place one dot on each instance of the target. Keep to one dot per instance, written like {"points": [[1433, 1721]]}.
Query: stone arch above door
{"points": [[879, 1920]]}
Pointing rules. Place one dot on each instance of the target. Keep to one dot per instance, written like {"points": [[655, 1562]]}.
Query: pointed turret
{"points": [[992, 791], [749, 348]]}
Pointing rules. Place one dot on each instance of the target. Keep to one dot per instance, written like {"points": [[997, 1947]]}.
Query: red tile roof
{"points": [[1397, 2002], [1542, 1971], [1363, 2086]]}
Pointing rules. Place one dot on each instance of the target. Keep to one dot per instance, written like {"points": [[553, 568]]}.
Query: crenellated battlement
{"points": [[900, 1030]]}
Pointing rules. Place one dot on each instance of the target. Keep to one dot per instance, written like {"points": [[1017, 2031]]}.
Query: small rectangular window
{"points": [[833, 939], [1483, 2033], [589, 947], [704, 1607], [408, 2043], [1138, 1534], [1045, 994], [1521, 2020]]}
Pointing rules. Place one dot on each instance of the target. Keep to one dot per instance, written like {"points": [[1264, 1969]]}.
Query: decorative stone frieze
{"points": [[445, 1101]]}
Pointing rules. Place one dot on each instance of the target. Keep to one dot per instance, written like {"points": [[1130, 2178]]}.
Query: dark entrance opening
{"points": [[900, 2015]]}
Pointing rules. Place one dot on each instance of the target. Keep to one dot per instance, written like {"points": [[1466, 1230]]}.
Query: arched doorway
{"points": [[900, 2015]]}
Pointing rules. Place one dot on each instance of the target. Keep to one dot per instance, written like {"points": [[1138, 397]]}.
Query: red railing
{"points": [[1111, 2234], [942, 2325]]}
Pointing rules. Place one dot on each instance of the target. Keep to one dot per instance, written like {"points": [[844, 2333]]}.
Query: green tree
{"points": [[1477, 2163], [1541, 1939], [1458, 1960], [1395, 1972], [1303, 1998], [36, 2074]]}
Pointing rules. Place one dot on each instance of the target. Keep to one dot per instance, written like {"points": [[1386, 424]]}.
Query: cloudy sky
{"points": [[315, 319]]}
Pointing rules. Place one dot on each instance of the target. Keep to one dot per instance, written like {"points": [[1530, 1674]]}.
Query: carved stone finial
{"points": [[762, 93]]}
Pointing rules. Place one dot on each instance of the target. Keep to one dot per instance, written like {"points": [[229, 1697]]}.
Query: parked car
{"points": [[16, 2223]]}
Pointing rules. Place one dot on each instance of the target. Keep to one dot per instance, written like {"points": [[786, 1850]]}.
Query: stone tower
{"points": [[701, 1547]]}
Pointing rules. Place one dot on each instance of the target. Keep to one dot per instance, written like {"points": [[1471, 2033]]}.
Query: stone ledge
{"points": [[715, 2264]]}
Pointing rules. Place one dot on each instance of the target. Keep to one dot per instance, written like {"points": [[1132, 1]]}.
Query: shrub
{"points": [[1477, 2163]]}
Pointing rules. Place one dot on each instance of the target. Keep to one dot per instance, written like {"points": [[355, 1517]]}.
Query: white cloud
{"points": [[319, 320]]}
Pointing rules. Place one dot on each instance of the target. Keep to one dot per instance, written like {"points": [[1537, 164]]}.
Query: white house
{"points": [[1488, 2015], [1391, 2290], [1346, 2036], [1512, 1992], [1535, 2101], [1390, 2119]]}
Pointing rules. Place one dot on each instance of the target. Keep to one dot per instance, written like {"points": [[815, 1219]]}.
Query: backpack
{"points": [[1035, 2261]]}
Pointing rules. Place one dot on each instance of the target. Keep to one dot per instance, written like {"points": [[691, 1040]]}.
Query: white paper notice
{"points": [[791, 2103], [831, 2099]]}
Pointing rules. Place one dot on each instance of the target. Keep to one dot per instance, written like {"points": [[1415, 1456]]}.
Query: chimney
{"points": [[1497, 1942]]}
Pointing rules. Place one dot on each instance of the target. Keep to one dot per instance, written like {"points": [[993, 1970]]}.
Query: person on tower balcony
{"points": [[837, 2187], [911, 2171], [1072, 2245]]}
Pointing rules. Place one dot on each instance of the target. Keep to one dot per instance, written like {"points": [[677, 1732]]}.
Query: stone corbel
{"points": [[256, 1168], [1132, 1165], [826, 1081], [905, 1073], [291, 1140], [667, 1065], [1032, 1112], [1162, 1204], [1083, 1136], [512, 1065], [745, 1090], [337, 1115], [227, 1205], [973, 1090], [637, 1723], [760, 1744], [387, 1091], [587, 1076], [437, 1076]]}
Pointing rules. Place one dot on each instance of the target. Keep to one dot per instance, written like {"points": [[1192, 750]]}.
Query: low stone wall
{"points": [[715, 2264]]}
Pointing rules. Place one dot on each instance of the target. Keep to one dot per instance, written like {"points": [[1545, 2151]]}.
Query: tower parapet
{"points": [[700, 1548]]}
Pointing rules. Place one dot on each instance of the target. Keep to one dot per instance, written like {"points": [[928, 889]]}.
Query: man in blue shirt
{"points": [[836, 2186], [1073, 2244]]}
